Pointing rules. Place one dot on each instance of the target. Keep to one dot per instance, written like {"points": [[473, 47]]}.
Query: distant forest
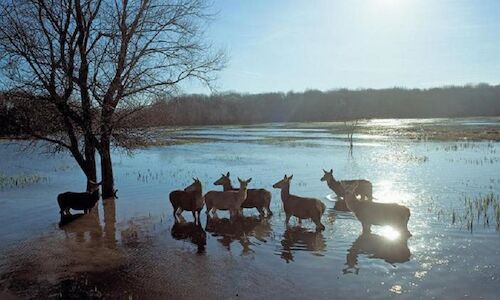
{"points": [[308, 106], [314, 105]]}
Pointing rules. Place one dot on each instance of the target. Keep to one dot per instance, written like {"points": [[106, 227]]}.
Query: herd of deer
{"points": [[234, 200], [353, 195]]}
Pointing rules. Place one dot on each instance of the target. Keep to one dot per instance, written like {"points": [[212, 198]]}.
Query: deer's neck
{"points": [[227, 186], [242, 195], [285, 193], [335, 186]]}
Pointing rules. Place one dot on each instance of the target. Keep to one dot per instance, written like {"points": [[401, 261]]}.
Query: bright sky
{"points": [[283, 45]]}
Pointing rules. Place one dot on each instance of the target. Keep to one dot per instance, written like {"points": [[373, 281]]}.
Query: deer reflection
{"points": [[240, 229], [82, 227], [66, 219], [182, 230], [88, 228], [299, 238], [377, 246]]}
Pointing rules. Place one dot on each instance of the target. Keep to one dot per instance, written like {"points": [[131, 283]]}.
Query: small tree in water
{"points": [[95, 62], [350, 127]]}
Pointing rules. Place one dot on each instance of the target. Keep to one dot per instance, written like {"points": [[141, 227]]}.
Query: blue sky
{"points": [[279, 45]]}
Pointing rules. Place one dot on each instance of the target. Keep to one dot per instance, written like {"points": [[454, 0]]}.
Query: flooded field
{"points": [[131, 246]]}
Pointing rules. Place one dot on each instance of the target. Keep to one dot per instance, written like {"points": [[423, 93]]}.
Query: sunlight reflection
{"points": [[387, 192], [389, 233]]}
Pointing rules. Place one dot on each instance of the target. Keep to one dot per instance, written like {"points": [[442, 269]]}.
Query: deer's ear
{"points": [[291, 176], [325, 171], [249, 179], [194, 179], [284, 177], [331, 171], [239, 179], [227, 174]]}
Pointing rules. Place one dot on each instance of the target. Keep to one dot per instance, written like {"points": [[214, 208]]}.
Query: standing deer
{"points": [[227, 200], [191, 199], [375, 213], [258, 198], [79, 201], [363, 189], [300, 207]]}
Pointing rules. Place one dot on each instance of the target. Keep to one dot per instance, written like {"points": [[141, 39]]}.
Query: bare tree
{"points": [[38, 56], [350, 127], [95, 58]]}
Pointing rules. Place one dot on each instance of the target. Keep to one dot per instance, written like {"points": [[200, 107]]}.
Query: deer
{"points": [[190, 199], [258, 198], [227, 200], [300, 207], [79, 201], [375, 213], [363, 189]]}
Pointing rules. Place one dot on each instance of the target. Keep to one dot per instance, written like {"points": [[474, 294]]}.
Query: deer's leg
{"points": [[287, 218], [269, 212], [199, 211], [261, 211], [175, 212], [366, 227], [319, 226], [179, 210], [300, 221]]}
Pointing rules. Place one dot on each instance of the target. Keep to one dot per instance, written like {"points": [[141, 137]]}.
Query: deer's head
{"points": [[285, 182], [244, 183], [194, 187], [327, 175], [93, 186], [223, 180]]}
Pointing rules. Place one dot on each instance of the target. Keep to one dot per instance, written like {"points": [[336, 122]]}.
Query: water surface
{"points": [[132, 247]]}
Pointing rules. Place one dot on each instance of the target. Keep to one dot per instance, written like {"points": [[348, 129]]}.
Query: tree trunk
{"points": [[106, 168], [91, 171]]}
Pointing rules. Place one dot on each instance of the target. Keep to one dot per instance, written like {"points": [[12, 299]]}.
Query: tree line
{"points": [[316, 106], [19, 116]]}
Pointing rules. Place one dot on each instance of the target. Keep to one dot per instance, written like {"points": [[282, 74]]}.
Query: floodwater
{"points": [[131, 246]]}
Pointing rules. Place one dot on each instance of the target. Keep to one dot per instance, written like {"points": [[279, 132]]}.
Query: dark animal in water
{"points": [[258, 198], [375, 213], [300, 207], [79, 201], [191, 199], [363, 189], [228, 200]]}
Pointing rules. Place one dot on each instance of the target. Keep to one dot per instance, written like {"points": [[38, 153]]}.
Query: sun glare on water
{"points": [[389, 233]]}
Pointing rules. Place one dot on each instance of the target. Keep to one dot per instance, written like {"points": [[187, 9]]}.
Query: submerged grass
{"points": [[480, 210], [20, 181]]}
